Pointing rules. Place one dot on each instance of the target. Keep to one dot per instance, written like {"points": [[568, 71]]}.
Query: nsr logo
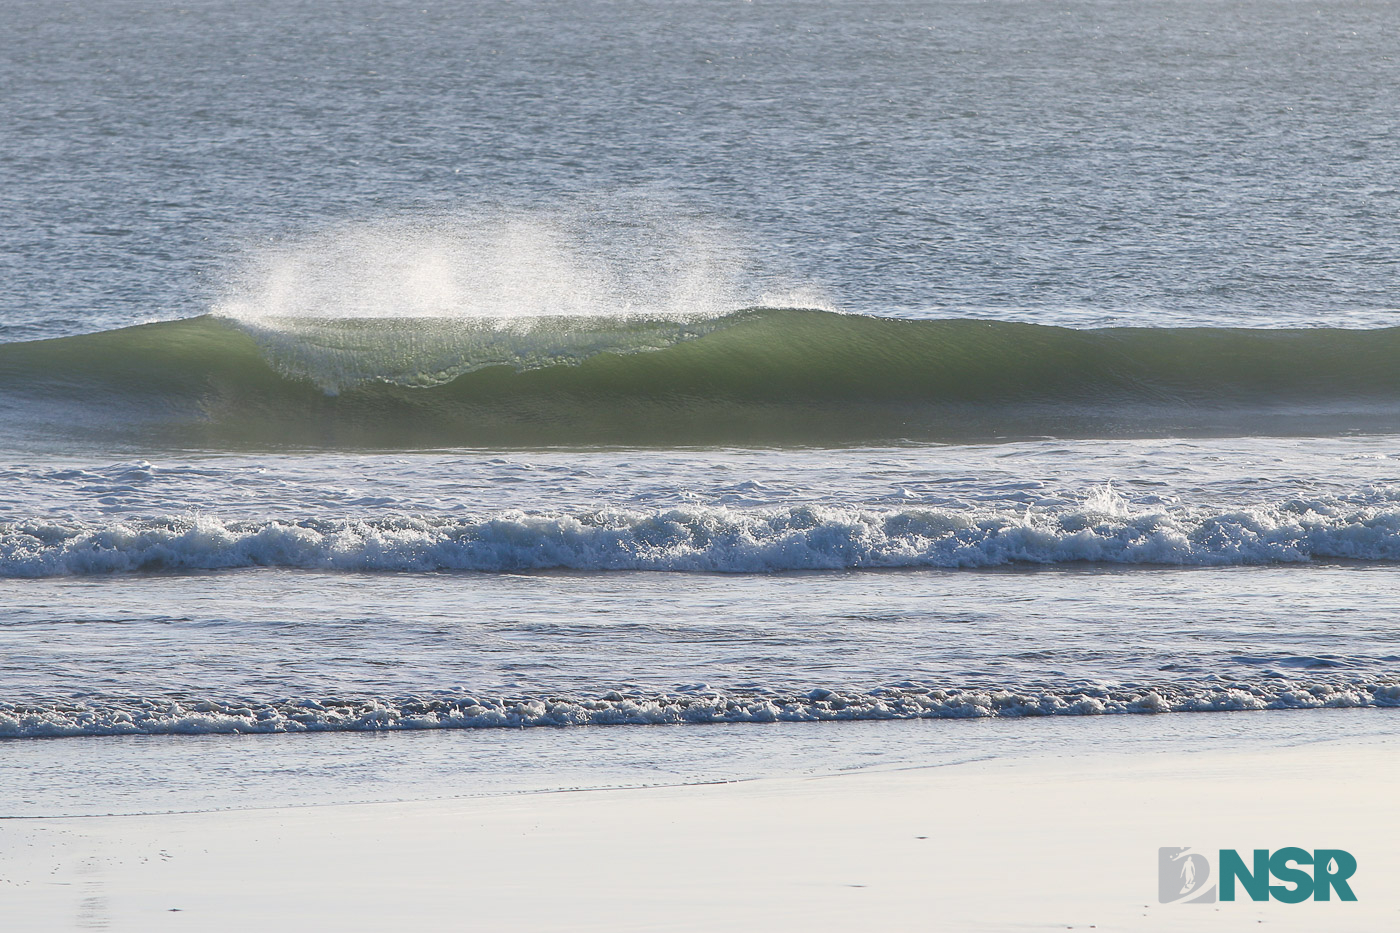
{"points": [[1183, 875]]}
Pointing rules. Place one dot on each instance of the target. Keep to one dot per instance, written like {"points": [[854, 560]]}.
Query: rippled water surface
{"points": [[373, 368]]}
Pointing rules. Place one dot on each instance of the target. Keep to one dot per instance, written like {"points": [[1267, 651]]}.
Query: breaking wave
{"points": [[189, 716], [705, 539], [760, 376]]}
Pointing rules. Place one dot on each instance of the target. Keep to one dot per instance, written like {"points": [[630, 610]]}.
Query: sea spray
{"points": [[596, 258]]}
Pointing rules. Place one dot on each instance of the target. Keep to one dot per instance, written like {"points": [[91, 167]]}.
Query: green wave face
{"points": [[756, 377]]}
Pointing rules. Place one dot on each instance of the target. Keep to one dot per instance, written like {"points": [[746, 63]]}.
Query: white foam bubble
{"points": [[162, 716], [716, 539]]}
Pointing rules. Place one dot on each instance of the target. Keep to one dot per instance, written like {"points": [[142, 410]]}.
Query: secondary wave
{"points": [[762, 376], [189, 716], [713, 540]]}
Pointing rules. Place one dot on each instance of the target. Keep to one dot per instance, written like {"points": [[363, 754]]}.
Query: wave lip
{"points": [[337, 355], [725, 540], [761, 376], [136, 716]]}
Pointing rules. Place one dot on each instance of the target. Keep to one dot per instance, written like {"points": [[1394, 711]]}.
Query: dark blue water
{"points": [[1167, 162], [347, 195]]}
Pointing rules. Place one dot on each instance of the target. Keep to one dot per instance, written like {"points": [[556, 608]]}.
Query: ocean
{"points": [[426, 399]]}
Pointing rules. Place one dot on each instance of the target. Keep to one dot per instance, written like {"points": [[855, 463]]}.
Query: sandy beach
{"points": [[1053, 838]]}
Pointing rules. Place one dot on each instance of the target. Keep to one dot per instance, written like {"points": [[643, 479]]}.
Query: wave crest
{"points": [[339, 354], [713, 540], [761, 376], [186, 716]]}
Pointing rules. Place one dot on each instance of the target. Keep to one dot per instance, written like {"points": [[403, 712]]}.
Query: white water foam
{"points": [[715, 539], [698, 706]]}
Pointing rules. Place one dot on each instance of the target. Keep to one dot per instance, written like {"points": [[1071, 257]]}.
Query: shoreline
{"points": [[131, 775], [1045, 837]]}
